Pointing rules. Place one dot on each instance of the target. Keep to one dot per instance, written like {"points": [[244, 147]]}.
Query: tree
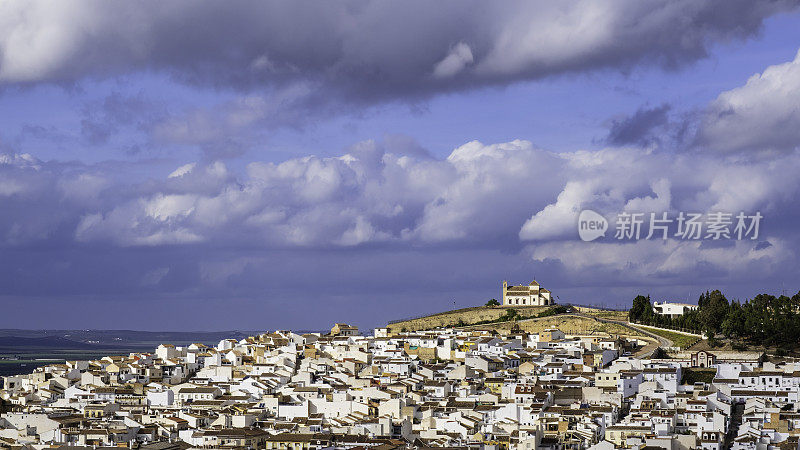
{"points": [[493, 302], [713, 310], [511, 314], [701, 302], [733, 326], [641, 310]]}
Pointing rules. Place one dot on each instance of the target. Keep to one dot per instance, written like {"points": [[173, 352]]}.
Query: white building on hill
{"points": [[526, 295]]}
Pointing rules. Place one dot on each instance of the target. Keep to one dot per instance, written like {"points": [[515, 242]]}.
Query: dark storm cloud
{"points": [[360, 51], [290, 63], [642, 128]]}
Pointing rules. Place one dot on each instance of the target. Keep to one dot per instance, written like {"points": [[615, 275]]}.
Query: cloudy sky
{"points": [[257, 165]]}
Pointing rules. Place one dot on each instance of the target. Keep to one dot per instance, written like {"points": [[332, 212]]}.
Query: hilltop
{"points": [[576, 318], [461, 317]]}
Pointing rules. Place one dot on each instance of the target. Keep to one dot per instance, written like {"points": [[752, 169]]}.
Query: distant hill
{"points": [[47, 342]]}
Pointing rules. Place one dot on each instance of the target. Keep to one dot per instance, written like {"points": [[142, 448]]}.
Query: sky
{"points": [[259, 165]]}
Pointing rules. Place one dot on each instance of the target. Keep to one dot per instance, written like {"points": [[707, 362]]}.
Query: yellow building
{"points": [[494, 385], [343, 329], [551, 334]]}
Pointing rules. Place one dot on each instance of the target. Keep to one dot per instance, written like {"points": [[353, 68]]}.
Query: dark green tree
{"points": [[733, 326], [641, 310], [713, 310], [511, 314]]}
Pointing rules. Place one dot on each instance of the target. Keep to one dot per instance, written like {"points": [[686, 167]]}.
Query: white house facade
{"points": [[672, 309]]}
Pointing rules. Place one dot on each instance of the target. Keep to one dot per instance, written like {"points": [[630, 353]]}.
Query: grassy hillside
{"points": [[462, 317], [679, 340], [479, 317], [570, 322], [567, 323], [603, 313]]}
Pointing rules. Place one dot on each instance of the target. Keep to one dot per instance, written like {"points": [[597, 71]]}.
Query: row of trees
{"points": [[763, 320]]}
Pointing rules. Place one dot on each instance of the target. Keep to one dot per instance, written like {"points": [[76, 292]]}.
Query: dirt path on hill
{"points": [[647, 350]]}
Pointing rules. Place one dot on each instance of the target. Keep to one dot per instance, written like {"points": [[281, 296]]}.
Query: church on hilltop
{"points": [[526, 295]]}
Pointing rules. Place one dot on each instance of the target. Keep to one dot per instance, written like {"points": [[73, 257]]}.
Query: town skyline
{"points": [[520, 375]]}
